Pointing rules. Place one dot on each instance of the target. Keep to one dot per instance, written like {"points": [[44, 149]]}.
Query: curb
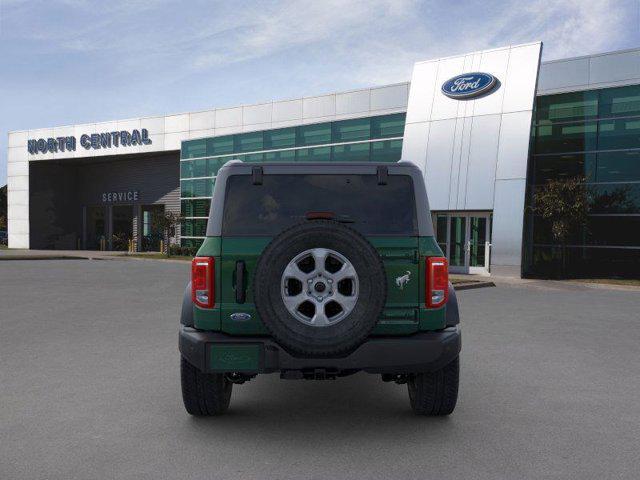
{"points": [[473, 285]]}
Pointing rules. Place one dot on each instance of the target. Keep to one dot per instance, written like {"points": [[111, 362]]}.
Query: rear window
{"points": [[284, 200]]}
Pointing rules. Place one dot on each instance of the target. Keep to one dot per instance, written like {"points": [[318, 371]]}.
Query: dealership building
{"points": [[489, 129]]}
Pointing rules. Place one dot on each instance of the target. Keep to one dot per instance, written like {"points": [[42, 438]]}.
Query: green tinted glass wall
{"points": [[593, 135], [376, 139]]}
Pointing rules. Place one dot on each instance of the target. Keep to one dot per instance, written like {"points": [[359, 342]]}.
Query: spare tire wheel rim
{"points": [[319, 287]]}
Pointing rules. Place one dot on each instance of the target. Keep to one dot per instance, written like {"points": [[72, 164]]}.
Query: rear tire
{"points": [[435, 393], [204, 394]]}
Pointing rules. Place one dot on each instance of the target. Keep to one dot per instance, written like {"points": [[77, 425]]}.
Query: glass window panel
{"points": [[215, 164], [574, 137], [549, 167], [387, 151], [387, 126], [186, 169], [194, 148], [586, 261], [284, 200], [566, 107], [248, 142], [620, 102], [193, 228], [613, 230], [313, 134], [615, 198], [253, 157], [220, 145], [195, 208], [280, 138], [186, 188], [618, 167], [281, 156], [191, 242], [355, 152], [616, 134], [318, 154], [352, 130]]}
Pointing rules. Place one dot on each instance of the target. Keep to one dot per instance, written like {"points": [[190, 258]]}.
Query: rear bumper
{"points": [[420, 352]]}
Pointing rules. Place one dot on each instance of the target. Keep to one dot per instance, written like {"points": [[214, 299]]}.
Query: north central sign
{"points": [[469, 85], [93, 141]]}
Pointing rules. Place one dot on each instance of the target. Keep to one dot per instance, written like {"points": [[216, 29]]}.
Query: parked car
{"points": [[318, 271], [4, 238]]}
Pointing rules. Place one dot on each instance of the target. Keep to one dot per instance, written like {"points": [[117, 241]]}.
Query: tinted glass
{"points": [[352, 130], [280, 138], [567, 107], [620, 102], [314, 134], [574, 137], [248, 142], [318, 154], [220, 145], [387, 151], [195, 208], [358, 152], [194, 148], [284, 200], [388, 126], [618, 166]]}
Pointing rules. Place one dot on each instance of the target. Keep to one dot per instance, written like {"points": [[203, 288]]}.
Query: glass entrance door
{"points": [[122, 227], [95, 227], [466, 240]]}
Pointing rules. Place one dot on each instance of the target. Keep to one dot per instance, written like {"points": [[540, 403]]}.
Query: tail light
{"points": [[202, 285], [437, 282]]}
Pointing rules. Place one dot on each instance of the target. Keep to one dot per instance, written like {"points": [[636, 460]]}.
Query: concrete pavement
{"points": [[89, 389]]}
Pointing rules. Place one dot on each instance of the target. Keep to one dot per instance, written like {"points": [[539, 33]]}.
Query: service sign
{"points": [[469, 85]]}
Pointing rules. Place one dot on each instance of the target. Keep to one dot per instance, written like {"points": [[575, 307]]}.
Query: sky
{"points": [[65, 62]]}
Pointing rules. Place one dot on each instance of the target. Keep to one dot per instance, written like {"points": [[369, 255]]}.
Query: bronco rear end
{"points": [[316, 271]]}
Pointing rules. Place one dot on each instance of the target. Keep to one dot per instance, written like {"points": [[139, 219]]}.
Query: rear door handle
{"points": [[241, 289]]}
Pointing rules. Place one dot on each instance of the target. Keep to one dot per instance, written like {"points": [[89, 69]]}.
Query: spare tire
{"points": [[319, 288]]}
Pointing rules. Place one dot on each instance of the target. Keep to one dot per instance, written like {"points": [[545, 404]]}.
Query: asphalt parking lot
{"points": [[89, 389]]}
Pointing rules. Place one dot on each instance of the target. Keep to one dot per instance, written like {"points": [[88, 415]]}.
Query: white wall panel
{"points": [[508, 214], [522, 76], [18, 139], [176, 123], [439, 155], [17, 154], [494, 62], [229, 117], [287, 111], [614, 67], [414, 144], [314, 107], [423, 86], [202, 120], [154, 125], [17, 168], [393, 96], [556, 75], [445, 107], [514, 145], [253, 114], [481, 165], [352, 102]]}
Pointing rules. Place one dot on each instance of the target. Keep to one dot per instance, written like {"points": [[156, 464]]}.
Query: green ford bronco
{"points": [[318, 271]]}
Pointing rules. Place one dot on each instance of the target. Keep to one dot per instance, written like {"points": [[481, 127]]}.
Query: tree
{"points": [[166, 223], [565, 204]]}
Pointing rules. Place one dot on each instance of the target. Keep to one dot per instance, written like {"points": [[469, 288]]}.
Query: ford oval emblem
{"points": [[240, 317], [469, 85]]}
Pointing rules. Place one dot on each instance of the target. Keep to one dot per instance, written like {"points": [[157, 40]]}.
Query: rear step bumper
{"points": [[420, 352]]}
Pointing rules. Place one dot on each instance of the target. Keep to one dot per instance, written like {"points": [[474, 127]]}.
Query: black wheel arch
{"points": [[186, 313], [453, 314]]}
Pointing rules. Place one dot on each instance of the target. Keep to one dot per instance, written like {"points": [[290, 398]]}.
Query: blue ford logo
{"points": [[468, 85]]}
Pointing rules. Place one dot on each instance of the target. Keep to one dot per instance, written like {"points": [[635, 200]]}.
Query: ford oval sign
{"points": [[469, 85]]}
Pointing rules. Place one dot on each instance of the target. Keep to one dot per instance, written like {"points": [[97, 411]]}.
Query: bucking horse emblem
{"points": [[402, 280]]}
